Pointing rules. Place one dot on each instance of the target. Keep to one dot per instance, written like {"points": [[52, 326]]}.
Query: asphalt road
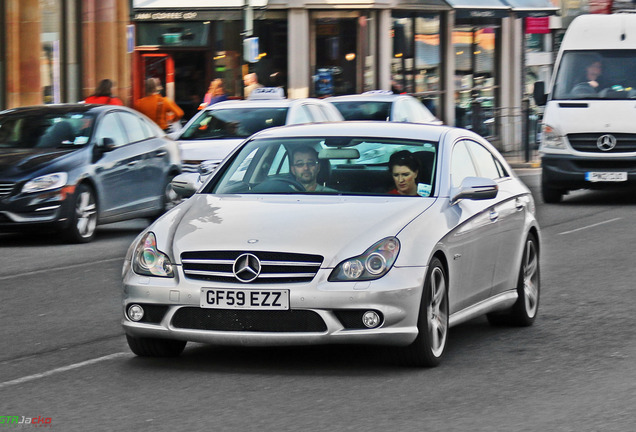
{"points": [[64, 357]]}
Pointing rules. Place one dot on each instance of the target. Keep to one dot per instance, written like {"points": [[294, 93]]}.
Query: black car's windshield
{"points": [[334, 165], [35, 129], [596, 74], [233, 122], [364, 110]]}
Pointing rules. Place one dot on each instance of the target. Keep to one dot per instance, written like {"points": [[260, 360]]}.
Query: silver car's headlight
{"points": [[147, 260], [374, 263], [551, 138], [45, 182]]}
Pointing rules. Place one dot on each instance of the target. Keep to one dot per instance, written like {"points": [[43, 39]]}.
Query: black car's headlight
{"points": [[374, 263], [147, 260], [45, 182]]}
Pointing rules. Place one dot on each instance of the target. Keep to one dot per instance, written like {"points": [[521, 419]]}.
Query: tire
{"points": [[430, 345], [524, 311], [551, 195], [83, 220], [151, 347]]}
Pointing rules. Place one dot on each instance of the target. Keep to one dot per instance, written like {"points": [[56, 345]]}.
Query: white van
{"points": [[589, 124]]}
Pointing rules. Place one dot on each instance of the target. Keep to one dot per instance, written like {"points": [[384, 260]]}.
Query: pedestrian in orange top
{"points": [[162, 110], [104, 94]]}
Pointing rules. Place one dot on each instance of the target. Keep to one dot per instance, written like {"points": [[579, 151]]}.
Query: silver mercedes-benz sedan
{"points": [[352, 232]]}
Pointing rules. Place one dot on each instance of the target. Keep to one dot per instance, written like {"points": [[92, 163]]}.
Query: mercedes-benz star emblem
{"points": [[247, 267], [606, 142]]}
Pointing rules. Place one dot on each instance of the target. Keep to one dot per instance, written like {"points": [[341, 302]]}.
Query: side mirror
{"points": [[538, 93], [475, 188], [107, 144], [186, 185]]}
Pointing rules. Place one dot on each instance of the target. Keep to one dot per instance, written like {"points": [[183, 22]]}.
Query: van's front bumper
{"points": [[569, 172]]}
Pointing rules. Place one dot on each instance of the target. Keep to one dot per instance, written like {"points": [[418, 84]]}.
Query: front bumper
{"points": [[51, 209], [321, 312], [569, 171]]}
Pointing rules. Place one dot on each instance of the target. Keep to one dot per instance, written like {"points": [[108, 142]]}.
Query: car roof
{"points": [[419, 131], [259, 103], [371, 97], [62, 108]]}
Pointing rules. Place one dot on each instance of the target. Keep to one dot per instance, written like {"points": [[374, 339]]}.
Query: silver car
{"points": [[383, 106], [218, 129], [252, 258]]}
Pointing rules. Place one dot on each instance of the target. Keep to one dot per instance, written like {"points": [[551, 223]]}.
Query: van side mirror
{"points": [[538, 93]]}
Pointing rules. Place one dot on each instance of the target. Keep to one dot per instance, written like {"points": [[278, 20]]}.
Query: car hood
{"points": [[579, 116], [21, 160], [335, 227], [200, 150]]}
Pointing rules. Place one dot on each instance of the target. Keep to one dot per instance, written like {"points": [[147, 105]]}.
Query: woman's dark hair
{"points": [[404, 158], [104, 88]]}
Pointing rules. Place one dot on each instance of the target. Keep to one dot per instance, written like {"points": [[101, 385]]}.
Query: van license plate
{"points": [[605, 176], [212, 298]]}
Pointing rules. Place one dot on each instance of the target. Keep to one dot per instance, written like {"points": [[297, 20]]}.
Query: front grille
{"points": [[586, 142], [276, 267], [6, 188], [296, 321]]}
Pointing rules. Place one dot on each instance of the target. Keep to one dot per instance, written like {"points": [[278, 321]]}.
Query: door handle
{"points": [[133, 163], [161, 153], [519, 204], [494, 215]]}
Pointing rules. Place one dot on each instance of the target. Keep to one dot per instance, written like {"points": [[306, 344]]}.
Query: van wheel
{"points": [[551, 195]]}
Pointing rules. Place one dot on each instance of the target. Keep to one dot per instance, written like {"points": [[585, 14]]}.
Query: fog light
{"points": [[371, 319], [135, 312]]}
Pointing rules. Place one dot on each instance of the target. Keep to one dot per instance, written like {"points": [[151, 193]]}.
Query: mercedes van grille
{"points": [[587, 142]]}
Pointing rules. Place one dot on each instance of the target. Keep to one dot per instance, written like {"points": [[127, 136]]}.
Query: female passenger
{"points": [[404, 168]]}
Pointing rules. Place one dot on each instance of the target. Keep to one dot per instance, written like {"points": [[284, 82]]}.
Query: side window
{"points": [[133, 126], [484, 160], [109, 127], [280, 162], [300, 115], [461, 164]]}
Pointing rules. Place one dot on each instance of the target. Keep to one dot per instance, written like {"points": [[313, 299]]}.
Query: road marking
{"points": [[69, 267], [60, 370], [589, 226]]}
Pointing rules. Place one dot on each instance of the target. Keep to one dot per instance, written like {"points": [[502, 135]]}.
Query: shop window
{"points": [[417, 60], [475, 48], [50, 59]]}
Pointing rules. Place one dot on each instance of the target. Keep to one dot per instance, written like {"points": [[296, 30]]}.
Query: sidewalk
{"points": [[517, 159]]}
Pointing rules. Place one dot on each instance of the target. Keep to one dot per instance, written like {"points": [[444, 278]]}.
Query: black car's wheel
{"points": [[551, 195], [83, 223], [525, 309], [151, 347], [430, 344]]}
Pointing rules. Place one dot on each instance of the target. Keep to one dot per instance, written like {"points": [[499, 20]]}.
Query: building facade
{"points": [[465, 59]]}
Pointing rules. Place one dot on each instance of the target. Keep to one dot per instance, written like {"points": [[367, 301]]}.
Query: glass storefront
{"points": [[476, 79], [50, 59], [344, 56], [416, 63]]}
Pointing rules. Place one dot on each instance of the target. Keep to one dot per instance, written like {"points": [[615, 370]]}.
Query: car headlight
{"points": [[551, 138], [45, 182], [149, 261], [374, 263]]}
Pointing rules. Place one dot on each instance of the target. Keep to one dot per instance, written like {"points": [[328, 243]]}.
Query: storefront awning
{"points": [[191, 4], [532, 8], [437, 5], [480, 8]]}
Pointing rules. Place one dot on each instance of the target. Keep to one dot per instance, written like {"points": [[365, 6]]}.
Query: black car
{"points": [[70, 167]]}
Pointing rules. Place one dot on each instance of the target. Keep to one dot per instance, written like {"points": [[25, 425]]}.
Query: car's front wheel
{"points": [[83, 220], [154, 347], [430, 344], [525, 309]]}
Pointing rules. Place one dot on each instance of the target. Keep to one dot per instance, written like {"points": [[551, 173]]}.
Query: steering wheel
{"points": [[282, 184]]}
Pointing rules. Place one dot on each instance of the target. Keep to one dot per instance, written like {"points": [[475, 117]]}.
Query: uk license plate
{"points": [[215, 298], [594, 176]]}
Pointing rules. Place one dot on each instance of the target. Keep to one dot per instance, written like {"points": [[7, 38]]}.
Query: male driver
{"points": [[305, 168]]}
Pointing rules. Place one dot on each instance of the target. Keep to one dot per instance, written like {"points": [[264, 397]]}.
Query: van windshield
{"points": [[596, 74]]}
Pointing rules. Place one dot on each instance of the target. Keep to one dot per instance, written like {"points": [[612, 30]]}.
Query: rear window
{"points": [[234, 122], [359, 110], [45, 130]]}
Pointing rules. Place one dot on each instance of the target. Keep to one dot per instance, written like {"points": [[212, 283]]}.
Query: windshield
{"points": [[233, 122], [596, 74], [359, 110], [35, 129], [334, 165]]}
